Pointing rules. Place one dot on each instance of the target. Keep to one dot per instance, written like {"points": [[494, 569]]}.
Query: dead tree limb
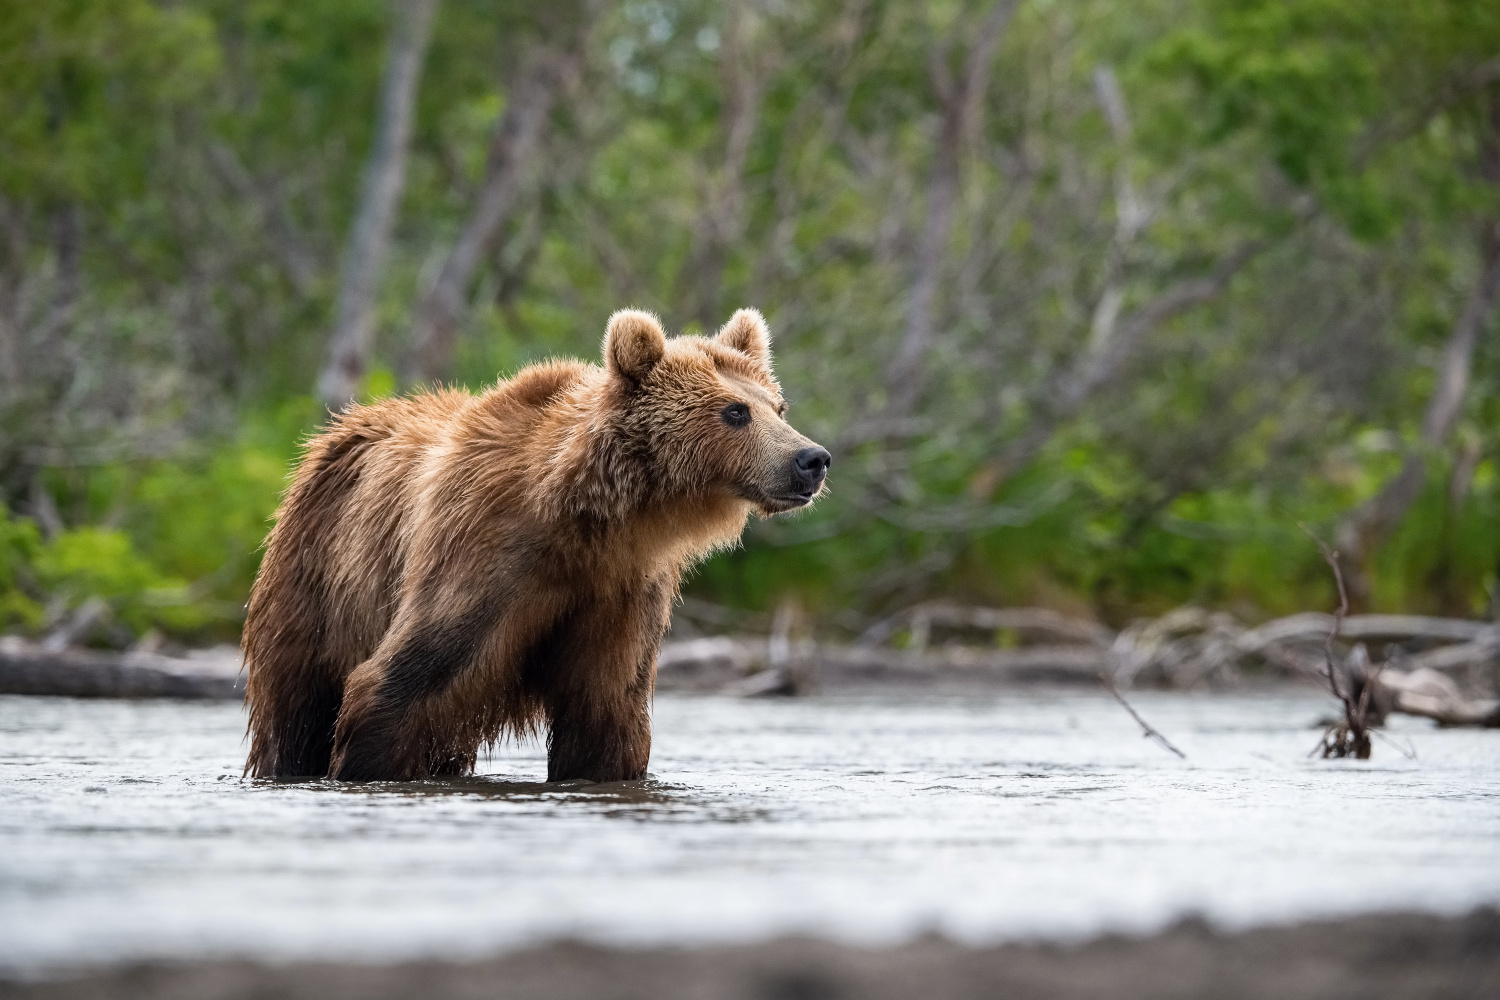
{"points": [[1428, 694], [1351, 738], [1365, 627], [1147, 730]]}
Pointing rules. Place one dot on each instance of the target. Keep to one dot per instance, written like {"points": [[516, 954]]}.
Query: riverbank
{"points": [[1370, 957], [1442, 668], [717, 665]]}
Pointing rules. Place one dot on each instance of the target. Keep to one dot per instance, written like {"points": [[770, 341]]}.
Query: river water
{"points": [[126, 831]]}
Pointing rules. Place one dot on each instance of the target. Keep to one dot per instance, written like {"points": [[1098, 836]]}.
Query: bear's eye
{"points": [[735, 414], [781, 409]]}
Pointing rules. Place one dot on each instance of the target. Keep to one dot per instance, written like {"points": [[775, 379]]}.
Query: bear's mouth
{"points": [[777, 503], [789, 501]]}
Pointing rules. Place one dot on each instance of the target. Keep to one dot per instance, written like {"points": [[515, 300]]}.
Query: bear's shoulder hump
{"points": [[539, 384]]}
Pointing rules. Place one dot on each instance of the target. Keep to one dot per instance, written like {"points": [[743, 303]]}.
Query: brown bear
{"points": [[447, 568]]}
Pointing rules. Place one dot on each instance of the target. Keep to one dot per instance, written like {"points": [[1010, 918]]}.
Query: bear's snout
{"points": [[810, 467]]}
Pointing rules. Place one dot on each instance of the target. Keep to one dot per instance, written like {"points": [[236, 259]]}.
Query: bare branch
{"points": [[1101, 366], [1098, 367], [297, 258], [1332, 559], [1456, 89], [1147, 730], [1351, 738], [1374, 520]]}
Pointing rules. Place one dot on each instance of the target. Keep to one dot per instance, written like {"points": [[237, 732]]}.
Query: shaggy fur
{"points": [[448, 568]]}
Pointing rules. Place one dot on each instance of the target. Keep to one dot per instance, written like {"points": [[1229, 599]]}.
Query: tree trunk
{"points": [[380, 196], [67, 253], [512, 150], [962, 104], [720, 223], [12, 270], [1374, 521]]}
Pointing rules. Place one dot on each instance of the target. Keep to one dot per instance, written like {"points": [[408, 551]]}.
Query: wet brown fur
{"points": [[448, 568]]}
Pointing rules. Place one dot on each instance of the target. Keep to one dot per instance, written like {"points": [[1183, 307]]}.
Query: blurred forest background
{"points": [[1093, 302]]}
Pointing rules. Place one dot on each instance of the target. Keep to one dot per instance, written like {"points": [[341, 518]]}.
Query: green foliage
{"points": [[1361, 101], [71, 72], [83, 563], [20, 544], [178, 179], [186, 554]]}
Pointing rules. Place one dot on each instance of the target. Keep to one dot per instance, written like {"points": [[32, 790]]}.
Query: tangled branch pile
{"points": [[1446, 669]]}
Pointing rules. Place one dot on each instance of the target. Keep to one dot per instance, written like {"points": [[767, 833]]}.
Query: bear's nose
{"points": [[812, 464]]}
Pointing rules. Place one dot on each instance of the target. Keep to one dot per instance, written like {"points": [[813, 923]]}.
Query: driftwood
{"points": [[753, 666], [1192, 646], [1429, 694], [1316, 625], [1184, 648], [919, 621], [33, 668]]}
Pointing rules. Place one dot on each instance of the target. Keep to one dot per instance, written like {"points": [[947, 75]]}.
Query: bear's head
{"points": [[704, 415]]}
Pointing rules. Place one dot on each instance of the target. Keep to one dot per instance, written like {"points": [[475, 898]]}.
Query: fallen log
{"points": [[741, 666], [1479, 653], [1314, 625], [719, 664], [1190, 644], [920, 619], [852, 664], [33, 668], [1421, 692]]}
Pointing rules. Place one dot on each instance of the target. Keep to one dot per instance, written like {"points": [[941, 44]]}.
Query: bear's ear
{"points": [[633, 343], [747, 333]]}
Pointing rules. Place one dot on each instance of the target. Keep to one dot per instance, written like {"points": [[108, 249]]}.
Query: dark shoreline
{"points": [[1397, 955], [703, 666]]}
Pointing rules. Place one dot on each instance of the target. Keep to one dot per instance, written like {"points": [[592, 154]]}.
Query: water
{"points": [[126, 831]]}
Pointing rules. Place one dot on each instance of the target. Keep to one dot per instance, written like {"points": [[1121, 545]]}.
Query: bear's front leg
{"points": [[599, 743], [600, 676], [387, 728]]}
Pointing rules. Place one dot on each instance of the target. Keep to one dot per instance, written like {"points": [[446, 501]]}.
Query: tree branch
{"points": [[1098, 367]]}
